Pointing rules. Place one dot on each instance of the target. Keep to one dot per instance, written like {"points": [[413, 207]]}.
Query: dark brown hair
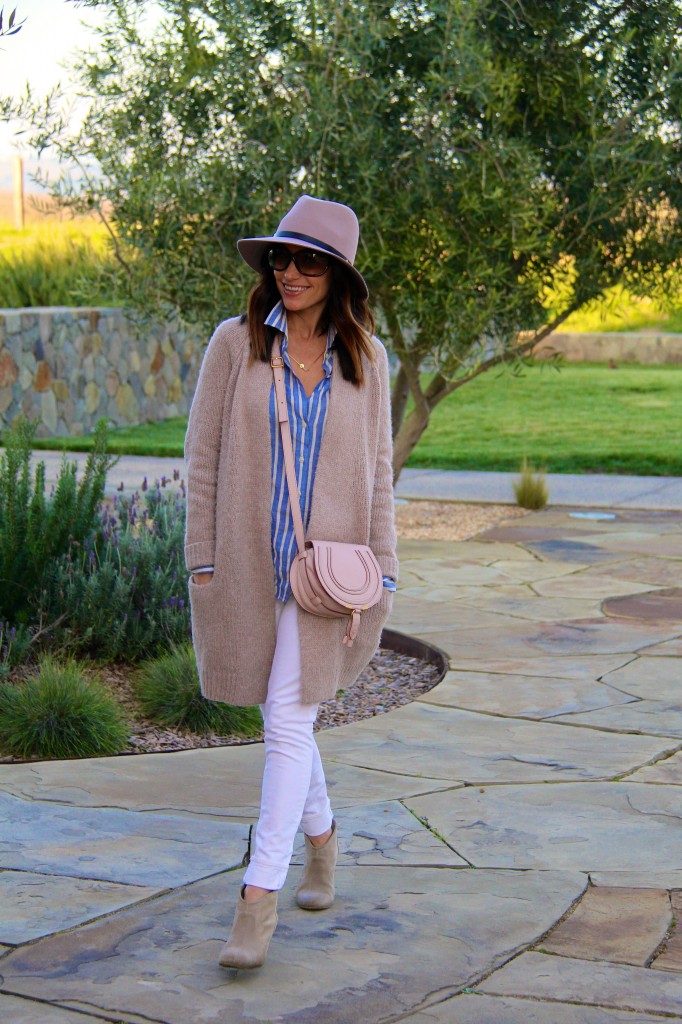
{"points": [[346, 308]]}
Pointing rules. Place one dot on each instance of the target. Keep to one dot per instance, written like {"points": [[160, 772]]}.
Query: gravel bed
{"points": [[449, 520], [388, 681]]}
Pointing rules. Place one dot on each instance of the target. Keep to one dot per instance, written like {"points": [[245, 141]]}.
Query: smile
{"points": [[291, 289]]}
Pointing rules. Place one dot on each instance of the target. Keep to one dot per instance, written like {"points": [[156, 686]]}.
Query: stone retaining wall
{"points": [[70, 366], [646, 348]]}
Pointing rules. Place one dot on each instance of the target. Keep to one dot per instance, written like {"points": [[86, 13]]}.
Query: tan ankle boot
{"points": [[316, 891], [252, 930]]}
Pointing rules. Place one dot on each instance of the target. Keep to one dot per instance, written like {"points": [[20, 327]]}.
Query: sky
{"points": [[52, 31]]}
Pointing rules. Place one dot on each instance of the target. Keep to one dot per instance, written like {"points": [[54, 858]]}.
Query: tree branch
{"points": [[505, 357]]}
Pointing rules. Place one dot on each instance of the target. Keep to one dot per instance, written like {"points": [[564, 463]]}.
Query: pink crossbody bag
{"points": [[327, 578]]}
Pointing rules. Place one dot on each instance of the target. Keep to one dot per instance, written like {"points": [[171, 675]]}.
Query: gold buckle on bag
{"points": [[277, 362]]}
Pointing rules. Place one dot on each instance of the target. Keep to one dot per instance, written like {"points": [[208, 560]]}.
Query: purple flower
{"points": [[181, 603], [145, 485]]}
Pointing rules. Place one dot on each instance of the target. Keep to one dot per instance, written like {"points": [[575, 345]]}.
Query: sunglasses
{"points": [[307, 261]]}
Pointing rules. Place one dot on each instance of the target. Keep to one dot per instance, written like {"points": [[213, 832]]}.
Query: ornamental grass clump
{"points": [[167, 691], [531, 489], [60, 712], [122, 592]]}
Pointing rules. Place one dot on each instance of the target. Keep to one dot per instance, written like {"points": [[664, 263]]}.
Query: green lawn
{"points": [[581, 418]]}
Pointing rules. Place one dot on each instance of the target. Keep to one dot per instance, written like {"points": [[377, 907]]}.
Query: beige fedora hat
{"points": [[331, 228]]}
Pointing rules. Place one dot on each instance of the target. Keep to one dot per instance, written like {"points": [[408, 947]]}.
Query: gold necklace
{"points": [[302, 366]]}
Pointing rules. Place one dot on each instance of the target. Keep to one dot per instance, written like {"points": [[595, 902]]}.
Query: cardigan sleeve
{"points": [[383, 540], [202, 449]]}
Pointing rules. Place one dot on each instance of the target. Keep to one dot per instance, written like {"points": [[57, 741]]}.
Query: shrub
{"points": [[60, 713], [168, 691], [531, 489], [123, 591], [35, 530]]}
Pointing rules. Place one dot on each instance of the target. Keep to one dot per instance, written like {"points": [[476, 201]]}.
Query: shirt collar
{"points": [[277, 318]]}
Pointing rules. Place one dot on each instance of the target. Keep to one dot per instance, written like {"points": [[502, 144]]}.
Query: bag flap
{"points": [[349, 573]]}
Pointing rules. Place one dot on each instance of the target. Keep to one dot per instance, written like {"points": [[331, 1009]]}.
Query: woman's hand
{"points": [[202, 577]]}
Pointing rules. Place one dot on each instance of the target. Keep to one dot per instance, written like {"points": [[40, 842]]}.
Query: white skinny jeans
{"points": [[294, 789]]}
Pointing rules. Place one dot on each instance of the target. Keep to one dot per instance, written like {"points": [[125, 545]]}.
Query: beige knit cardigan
{"points": [[228, 455]]}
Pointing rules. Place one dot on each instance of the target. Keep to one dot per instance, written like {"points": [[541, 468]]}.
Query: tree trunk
{"points": [[399, 397], [408, 436]]}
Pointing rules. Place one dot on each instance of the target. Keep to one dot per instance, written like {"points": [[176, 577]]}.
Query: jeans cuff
{"points": [[317, 824], [264, 875]]}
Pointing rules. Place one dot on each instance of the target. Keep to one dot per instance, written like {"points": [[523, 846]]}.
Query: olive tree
{"points": [[509, 160]]}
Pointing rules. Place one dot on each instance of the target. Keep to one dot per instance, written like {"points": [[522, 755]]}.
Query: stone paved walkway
{"points": [[511, 842]]}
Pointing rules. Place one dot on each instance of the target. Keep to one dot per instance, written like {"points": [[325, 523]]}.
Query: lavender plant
{"points": [[35, 529], [14, 645], [123, 590]]}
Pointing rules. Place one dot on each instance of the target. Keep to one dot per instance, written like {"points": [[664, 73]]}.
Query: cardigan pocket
{"points": [[207, 635]]}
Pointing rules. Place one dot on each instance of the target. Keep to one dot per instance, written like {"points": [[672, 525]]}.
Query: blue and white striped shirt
{"points": [[307, 415]]}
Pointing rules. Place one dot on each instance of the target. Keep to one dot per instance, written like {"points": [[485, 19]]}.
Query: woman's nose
{"points": [[291, 273]]}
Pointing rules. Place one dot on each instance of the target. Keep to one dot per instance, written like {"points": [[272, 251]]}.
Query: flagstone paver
{"points": [[524, 642], [616, 924], [646, 717], [391, 937], [668, 771], [522, 696], [670, 959], [659, 605], [601, 826], [481, 1009], [113, 845], [14, 1010], [659, 678], [589, 667], [541, 976], [32, 905], [463, 745], [224, 782], [530, 802], [599, 587], [666, 649], [646, 877], [660, 571], [388, 834]]}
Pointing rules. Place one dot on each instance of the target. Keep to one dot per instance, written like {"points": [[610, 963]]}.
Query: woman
{"points": [[253, 643]]}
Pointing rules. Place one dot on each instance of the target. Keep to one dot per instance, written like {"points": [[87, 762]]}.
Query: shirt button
{"points": [[301, 459]]}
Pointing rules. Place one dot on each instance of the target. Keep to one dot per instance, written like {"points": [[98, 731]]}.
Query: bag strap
{"points": [[277, 364]]}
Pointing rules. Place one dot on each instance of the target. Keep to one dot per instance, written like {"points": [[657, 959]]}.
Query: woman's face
{"points": [[299, 293]]}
